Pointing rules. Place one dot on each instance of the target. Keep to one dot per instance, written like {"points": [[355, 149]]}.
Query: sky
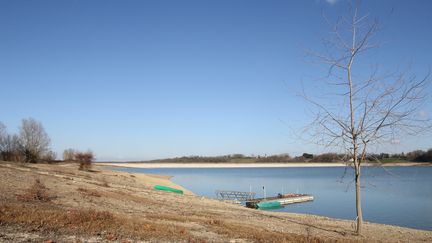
{"points": [[138, 80]]}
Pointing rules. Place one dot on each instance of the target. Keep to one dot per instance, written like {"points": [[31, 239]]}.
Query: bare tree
{"points": [[8, 145], [69, 154], [34, 141], [362, 108], [49, 156], [3, 136]]}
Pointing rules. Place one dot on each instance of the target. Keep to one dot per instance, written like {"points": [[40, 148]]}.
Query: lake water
{"points": [[391, 195]]}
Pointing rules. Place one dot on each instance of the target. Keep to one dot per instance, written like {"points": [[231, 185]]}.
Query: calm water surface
{"points": [[391, 195]]}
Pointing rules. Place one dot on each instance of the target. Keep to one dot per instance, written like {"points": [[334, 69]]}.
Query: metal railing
{"points": [[234, 195]]}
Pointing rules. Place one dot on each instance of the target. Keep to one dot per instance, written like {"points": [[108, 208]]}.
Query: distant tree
{"points": [[326, 157], [2, 131], [298, 159], [3, 135], [69, 154], [9, 146], [237, 156], [275, 158], [415, 155], [34, 141], [49, 156], [420, 156], [307, 156]]}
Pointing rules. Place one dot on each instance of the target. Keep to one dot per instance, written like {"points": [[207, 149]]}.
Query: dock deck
{"points": [[282, 199]]}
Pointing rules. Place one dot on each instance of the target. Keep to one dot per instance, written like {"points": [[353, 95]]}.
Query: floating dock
{"points": [[278, 201]]}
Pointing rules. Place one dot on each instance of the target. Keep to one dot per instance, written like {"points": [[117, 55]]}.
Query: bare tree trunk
{"points": [[357, 186], [358, 200], [354, 132]]}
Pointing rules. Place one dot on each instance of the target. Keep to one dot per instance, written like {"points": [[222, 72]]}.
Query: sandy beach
{"points": [[221, 165], [245, 165]]}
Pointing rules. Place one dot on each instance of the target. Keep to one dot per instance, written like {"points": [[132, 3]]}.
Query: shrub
{"points": [[84, 159]]}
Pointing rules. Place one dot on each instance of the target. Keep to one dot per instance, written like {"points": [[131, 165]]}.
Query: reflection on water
{"points": [[394, 195]]}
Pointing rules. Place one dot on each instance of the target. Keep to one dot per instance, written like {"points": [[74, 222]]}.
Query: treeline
{"points": [[84, 159], [420, 156], [414, 156], [32, 145]]}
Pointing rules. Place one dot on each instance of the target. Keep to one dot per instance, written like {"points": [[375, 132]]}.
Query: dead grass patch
{"points": [[88, 192], [258, 234], [128, 196], [169, 217], [37, 192], [89, 222], [214, 222]]}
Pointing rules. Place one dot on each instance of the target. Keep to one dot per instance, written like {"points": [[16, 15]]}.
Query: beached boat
{"points": [[169, 189]]}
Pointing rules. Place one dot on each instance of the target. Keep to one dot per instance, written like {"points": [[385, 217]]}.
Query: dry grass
{"points": [[88, 221], [256, 234], [88, 192], [37, 192]]}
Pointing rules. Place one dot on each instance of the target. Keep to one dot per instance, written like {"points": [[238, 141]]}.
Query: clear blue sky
{"points": [[151, 79]]}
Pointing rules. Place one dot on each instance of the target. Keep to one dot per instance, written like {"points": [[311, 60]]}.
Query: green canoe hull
{"points": [[169, 189]]}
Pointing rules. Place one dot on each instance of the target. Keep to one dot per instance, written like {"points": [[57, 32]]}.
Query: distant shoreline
{"points": [[147, 165]]}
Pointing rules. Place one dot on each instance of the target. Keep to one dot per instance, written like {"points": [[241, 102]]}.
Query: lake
{"points": [[390, 195]]}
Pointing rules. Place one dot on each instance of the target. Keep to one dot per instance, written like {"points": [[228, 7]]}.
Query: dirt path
{"points": [[103, 205]]}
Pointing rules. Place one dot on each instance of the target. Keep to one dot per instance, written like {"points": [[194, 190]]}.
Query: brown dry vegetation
{"points": [[81, 208], [88, 192], [36, 192]]}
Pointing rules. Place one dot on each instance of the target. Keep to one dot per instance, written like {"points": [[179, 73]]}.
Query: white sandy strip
{"points": [[220, 165]]}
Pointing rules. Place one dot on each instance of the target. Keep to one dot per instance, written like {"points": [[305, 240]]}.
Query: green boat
{"points": [[169, 189], [269, 205]]}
